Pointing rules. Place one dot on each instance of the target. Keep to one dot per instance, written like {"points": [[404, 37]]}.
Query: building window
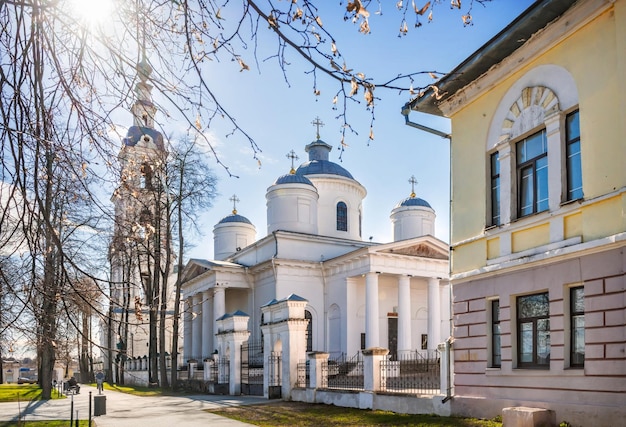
{"points": [[146, 176], [495, 189], [532, 174], [572, 153], [424, 341], [496, 346], [577, 322], [309, 330], [533, 330], [342, 216]]}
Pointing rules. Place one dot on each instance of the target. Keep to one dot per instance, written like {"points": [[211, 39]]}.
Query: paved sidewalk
{"points": [[125, 410]]}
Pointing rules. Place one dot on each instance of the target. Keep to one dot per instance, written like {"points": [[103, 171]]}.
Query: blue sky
{"points": [[278, 116]]}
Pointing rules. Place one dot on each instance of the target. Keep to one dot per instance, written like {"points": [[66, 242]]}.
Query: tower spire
{"points": [[143, 109]]}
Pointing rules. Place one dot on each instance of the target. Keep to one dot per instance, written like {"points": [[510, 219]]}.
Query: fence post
{"points": [[371, 367], [316, 360], [232, 332]]}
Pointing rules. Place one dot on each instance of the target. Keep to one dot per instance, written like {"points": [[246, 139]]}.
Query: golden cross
{"points": [[234, 199], [292, 155], [413, 181], [317, 122]]}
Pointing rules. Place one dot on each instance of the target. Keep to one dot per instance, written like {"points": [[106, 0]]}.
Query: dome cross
{"points": [[292, 155], [317, 122], [413, 181], [234, 199]]}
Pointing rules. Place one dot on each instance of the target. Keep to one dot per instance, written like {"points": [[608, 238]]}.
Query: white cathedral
{"points": [[358, 294]]}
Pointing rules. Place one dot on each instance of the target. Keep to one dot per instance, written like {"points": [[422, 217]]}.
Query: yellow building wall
{"points": [[573, 225], [603, 219], [601, 103], [493, 248], [530, 238]]}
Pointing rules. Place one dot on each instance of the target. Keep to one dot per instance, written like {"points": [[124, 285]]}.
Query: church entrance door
{"points": [[392, 334]]}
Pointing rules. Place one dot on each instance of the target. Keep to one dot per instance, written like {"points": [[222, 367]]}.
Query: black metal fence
{"points": [[414, 373], [219, 371], [303, 380], [344, 373], [252, 368], [274, 368]]}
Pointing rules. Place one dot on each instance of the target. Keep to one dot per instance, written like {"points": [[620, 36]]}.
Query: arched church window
{"points": [[146, 176], [342, 216], [309, 330]]}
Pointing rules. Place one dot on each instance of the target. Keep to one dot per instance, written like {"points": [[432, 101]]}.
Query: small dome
{"points": [[293, 179], [235, 218], [413, 201], [135, 133], [318, 161]]}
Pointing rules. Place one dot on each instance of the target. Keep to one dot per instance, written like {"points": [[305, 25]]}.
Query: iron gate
{"points": [[252, 368]]}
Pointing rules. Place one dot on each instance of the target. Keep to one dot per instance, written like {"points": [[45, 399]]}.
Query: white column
{"points": [[196, 343], [404, 314], [555, 160], [207, 325], [372, 335], [219, 306], [187, 329], [434, 313]]}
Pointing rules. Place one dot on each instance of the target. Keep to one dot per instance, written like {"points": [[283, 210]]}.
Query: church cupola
{"points": [[339, 207], [292, 202], [233, 233], [412, 217]]}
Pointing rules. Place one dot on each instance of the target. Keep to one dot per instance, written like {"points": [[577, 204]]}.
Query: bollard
{"points": [[89, 422], [72, 410]]}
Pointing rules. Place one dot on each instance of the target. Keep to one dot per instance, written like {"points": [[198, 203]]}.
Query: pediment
{"points": [[422, 249], [197, 267]]}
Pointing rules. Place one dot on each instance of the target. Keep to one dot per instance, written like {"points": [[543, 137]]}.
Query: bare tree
{"points": [[192, 187], [62, 82]]}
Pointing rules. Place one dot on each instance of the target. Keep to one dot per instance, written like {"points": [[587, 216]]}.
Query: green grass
{"points": [[139, 391], [23, 392], [282, 414], [59, 423]]}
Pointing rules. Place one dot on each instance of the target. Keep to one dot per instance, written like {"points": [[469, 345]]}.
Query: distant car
{"points": [[24, 380]]}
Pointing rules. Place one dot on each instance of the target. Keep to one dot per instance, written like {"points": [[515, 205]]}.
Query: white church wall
{"points": [[292, 207], [332, 190], [311, 249], [237, 299]]}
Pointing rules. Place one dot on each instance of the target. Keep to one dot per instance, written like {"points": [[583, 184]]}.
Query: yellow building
{"points": [[538, 229]]}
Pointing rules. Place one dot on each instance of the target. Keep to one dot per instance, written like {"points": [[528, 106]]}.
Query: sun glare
{"points": [[91, 12]]}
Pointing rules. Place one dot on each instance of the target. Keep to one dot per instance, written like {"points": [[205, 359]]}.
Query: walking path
{"points": [[126, 410]]}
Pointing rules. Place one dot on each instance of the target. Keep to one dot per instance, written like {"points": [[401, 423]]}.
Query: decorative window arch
{"points": [[533, 146], [342, 216]]}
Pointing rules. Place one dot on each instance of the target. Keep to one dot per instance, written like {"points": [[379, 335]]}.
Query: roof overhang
{"points": [[502, 45]]}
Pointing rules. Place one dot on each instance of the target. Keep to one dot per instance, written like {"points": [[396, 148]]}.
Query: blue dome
{"points": [[136, 132], [293, 179], [317, 167], [414, 201], [235, 218], [318, 161]]}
